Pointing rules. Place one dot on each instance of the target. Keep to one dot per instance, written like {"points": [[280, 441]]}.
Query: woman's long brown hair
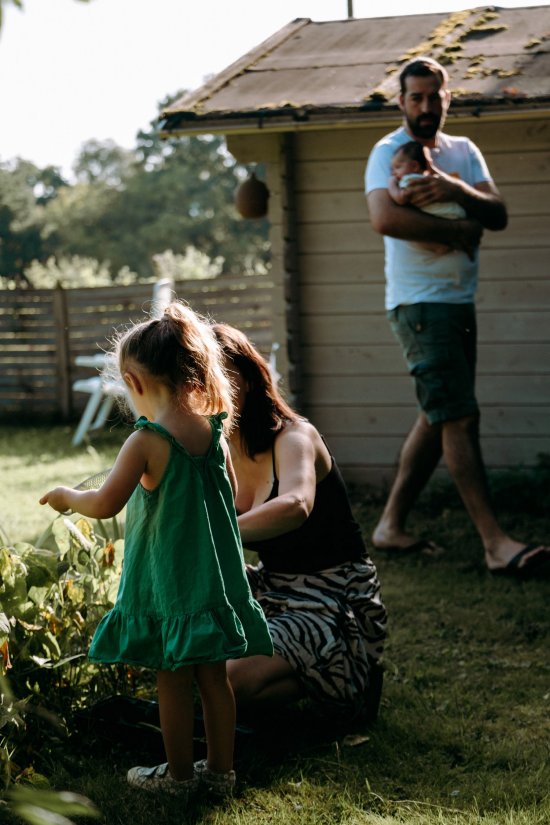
{"points": [[265, 411]]}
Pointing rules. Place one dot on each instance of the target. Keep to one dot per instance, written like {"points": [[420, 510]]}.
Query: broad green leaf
{"points": [[112, 592], [35, 815], [49, 807], [41, 564], [11, 568], [38, 595], [75, 593], [15, 600], [61, 536]]}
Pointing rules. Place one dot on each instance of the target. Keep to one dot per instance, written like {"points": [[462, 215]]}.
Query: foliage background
{"points": [[126, 207]]}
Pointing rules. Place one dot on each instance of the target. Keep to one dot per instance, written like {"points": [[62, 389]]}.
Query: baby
{"points": [[409, 163]]}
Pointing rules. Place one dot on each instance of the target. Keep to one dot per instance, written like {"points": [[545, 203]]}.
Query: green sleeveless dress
{"points": [[183, 596]]}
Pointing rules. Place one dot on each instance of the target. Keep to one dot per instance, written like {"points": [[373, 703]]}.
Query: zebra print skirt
{"points": [[329, 626]]}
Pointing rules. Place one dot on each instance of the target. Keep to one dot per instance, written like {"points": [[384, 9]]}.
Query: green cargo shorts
{"points": [[439, 345]]}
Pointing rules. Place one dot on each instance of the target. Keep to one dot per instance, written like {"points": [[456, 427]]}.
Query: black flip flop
{"points": [[540, 563]]}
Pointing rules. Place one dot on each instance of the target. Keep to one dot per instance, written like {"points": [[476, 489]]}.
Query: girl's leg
{"points": [[218, 707], [175, 692]]}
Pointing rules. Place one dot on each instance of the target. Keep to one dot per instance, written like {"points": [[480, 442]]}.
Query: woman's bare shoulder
{"points": [[300, 441], [298, 429], [300, 432]]}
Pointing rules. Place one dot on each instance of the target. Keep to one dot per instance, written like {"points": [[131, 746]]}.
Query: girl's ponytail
{"points": [[201, 361], [181, 350]]}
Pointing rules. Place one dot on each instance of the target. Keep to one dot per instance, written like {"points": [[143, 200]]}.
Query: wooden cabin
{"points": [[308, 104]]}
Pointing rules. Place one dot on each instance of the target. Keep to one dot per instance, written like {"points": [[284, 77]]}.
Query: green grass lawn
{"points": [[463, 734], [35, 459]]}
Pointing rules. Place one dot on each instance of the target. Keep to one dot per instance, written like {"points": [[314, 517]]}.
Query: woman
{"points": [[316, 584]]}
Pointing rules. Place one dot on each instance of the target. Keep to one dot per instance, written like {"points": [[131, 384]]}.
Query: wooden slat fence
{"points": [[43, 330]]}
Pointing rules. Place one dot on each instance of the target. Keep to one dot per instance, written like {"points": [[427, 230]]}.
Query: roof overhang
{"points": [[288, 119]]}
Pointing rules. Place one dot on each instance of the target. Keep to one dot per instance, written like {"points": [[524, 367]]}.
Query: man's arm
{"points": [[408, 224], [482, 201]]}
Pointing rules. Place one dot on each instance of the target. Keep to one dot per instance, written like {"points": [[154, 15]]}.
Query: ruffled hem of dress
{"points": [[167, 643]]}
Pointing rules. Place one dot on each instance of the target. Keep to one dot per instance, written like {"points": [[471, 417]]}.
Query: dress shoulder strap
{"points": [[216, 422], [275, 479], [144, 424]]}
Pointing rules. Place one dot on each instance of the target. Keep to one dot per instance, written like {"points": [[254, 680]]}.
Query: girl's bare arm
{"points": [[130, 465]]}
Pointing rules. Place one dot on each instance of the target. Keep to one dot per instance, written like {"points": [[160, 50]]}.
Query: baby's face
{"points": [[402, 165]]}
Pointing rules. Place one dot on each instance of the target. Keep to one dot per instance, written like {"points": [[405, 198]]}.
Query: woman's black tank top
{"points": [[329, 536]]}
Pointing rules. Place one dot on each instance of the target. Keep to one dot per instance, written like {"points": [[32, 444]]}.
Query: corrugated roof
{"points": [[350, 68]]}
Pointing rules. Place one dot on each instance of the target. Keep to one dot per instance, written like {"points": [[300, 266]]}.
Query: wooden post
{"points": [[62, 361], [291, 269]]}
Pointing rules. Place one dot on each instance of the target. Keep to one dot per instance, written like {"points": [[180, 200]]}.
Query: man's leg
{"points": [[419, 457], [439, 344], [462, 454]]}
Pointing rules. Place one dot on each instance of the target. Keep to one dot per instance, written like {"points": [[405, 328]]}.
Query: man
{"points": [[430, 304]]}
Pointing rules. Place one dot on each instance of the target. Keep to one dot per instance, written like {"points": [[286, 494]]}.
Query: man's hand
{"points": [[435, 187], [468, 236], [481, 202]]}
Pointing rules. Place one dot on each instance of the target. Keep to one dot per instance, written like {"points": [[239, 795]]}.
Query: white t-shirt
{"points": [[414, 274]]}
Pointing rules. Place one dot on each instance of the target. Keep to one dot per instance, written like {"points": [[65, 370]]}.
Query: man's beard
{"points": [[425, 126]]}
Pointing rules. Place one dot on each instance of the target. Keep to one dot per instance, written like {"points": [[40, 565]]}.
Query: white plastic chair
{"points": [[272, 362], [102, 391], [102, 388]]}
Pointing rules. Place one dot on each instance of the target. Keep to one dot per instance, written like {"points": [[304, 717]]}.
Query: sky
{"points": [[72, 71]]}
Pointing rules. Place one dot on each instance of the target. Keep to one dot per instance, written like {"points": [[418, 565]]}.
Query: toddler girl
{"points": [[184, 606]]}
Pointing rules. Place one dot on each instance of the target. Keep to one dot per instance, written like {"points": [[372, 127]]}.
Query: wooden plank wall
{"points": [[356, 389], [42, 332]]}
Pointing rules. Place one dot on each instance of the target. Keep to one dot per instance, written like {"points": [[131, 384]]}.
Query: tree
{"points": [[24, 190], [186, 199], [129, 206], [81, 221], [103, 161]]}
